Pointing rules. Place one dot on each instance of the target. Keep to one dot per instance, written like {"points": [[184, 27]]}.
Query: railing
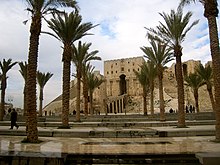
{"points": [[116, 104]]}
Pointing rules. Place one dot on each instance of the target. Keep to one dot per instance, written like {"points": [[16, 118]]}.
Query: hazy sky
{"points": [[120, 34]]}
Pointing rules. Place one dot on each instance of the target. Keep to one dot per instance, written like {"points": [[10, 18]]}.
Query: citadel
{"points": [[122, 93]]}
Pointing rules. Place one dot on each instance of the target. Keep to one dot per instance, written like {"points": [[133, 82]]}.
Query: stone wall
{"points": [[115, 71], [121, 92]]}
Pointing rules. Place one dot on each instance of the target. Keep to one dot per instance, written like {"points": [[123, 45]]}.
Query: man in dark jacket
{"points": [[14, 119]]}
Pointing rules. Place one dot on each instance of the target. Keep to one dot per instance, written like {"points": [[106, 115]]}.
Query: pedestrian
{"points": [[14, 119], [187, 110], [171, 110], [191, 109], [9, 110]]}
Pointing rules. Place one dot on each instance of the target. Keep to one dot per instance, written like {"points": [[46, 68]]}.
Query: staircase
{"points": [[156, 159]]}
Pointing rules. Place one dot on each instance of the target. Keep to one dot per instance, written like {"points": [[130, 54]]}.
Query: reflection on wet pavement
{"points": [[54, 147]]}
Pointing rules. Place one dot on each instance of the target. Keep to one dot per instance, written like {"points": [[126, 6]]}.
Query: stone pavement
{"points": [[118, 140], [60, 148], [115, 132], [168, 142]]}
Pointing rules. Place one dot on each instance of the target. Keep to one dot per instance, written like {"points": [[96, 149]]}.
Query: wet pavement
{"points": [[104, 143], [55, 146]]}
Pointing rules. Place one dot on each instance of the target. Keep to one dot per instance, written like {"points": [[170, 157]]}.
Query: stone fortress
{"points": [[122, 93]]}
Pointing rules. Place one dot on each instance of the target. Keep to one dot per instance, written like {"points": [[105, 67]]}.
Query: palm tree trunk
{"points": [[25, 114], [162, 110], [32, 133], [85, 94], [24, 100], [209, 89], [41, 102], [66, 93], [215, 53], [152, 99], [3, 87], [196, 97], [91, 102], [180, 91], [145, 101], [66, 85], [78, 96]]}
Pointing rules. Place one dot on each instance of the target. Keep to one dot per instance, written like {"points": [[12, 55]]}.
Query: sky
{"points": [[120, 34]]}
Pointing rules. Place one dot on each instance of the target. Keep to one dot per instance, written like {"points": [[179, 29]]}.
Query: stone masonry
{"points": [[122, 93]]}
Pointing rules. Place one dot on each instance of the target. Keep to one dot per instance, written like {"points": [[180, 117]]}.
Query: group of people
{"points": [[189, 109], [13, 118]]}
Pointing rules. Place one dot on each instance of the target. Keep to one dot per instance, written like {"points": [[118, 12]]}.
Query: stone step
{"points": [[85, 132], [116, 124], [157, 159], [73, 159], [104, 132], [123, 117]]}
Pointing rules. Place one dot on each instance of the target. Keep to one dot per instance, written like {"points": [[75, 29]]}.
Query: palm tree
{"points": [[173, 32], [211, 13], [93, 83], [206, 74], [160, 55], [87, 68], [5, 65], [67, 28], [38, 9], [151, 71], [80, 56], [143, 78], [23, 71], [42, 79], [194, 81]]}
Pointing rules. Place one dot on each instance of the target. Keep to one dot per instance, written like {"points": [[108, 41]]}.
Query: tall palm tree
{"points": [[93, 83], [67, 28], [211, 13], [42, 79], [23, 71], [38, 9], [160, 55], [151, 71], [80, 56], [87, 68], [173, 32], [5, 65], [143, 78], [207, 75], [194, 81]]}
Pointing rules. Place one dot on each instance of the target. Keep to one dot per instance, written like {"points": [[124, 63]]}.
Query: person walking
{"points": [[14, 119]]}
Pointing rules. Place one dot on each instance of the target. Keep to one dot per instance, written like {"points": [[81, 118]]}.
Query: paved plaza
{"points": [[149, 142]]}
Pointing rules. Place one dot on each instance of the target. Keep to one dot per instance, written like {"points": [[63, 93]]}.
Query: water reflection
{"points": [[54, 147]]}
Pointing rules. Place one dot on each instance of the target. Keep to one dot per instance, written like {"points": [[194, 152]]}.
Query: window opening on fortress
{"points": [[122, 84], [122, 69]]}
